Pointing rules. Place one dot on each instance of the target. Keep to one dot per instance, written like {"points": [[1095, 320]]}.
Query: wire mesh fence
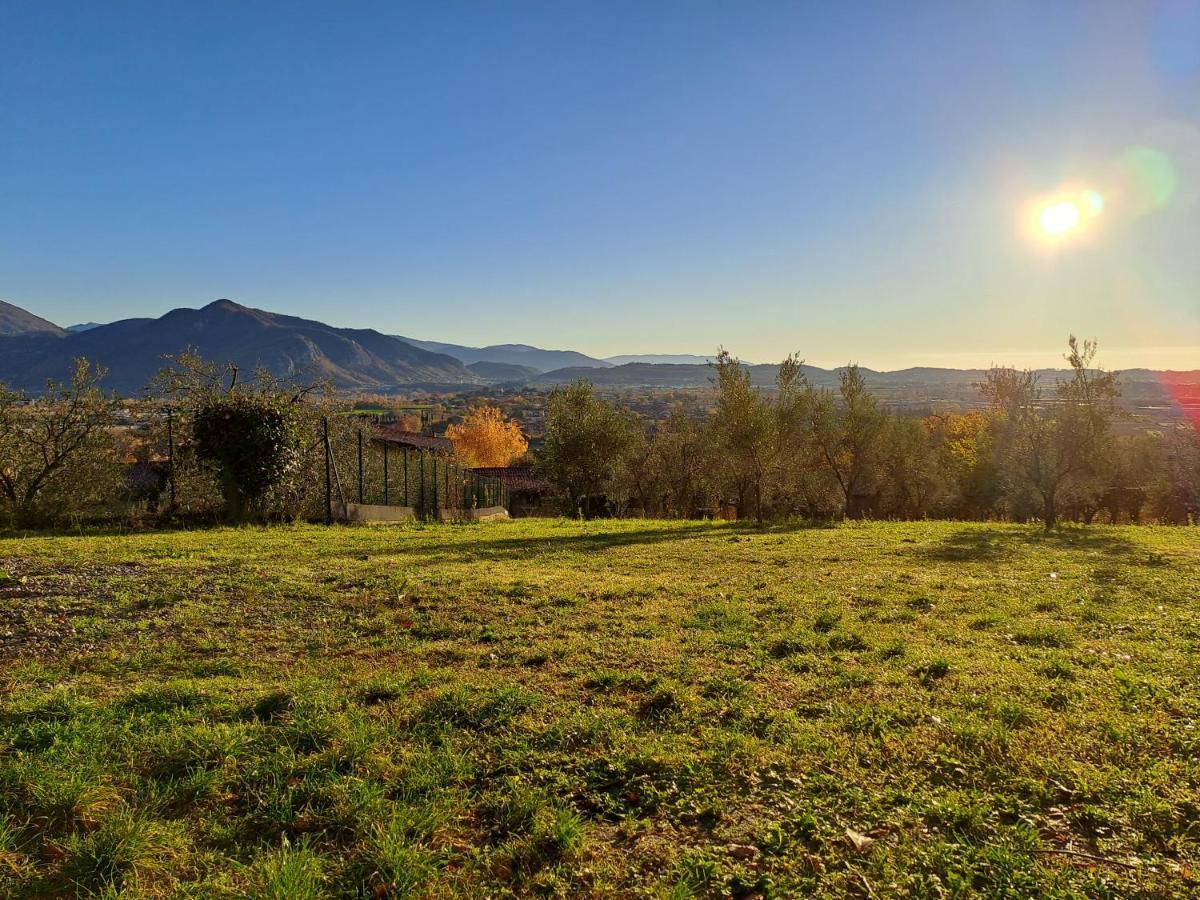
{"points": [[154, 472], [367, 469]]}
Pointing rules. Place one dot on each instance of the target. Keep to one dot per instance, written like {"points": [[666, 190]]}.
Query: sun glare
{"points": [[1057, 217]]}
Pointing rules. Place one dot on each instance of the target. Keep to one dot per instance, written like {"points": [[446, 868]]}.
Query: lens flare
{"points": [[1149, 176], [1184, 392]]}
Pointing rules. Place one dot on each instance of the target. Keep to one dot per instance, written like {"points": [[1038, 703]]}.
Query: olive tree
{"points": [[1049, 445], [586, 440], [63, 436], [743, 432], [848, 430]]}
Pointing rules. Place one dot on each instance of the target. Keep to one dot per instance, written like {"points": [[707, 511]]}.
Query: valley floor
{"points": [[603, 708]]}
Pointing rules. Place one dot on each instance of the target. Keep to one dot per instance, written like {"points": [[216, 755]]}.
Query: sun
{"points": [[1059, 218]]}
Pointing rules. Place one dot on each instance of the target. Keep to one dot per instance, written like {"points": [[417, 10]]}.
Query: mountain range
{"points": [[688, 359], [512, 354], [33, 350], [132, 350]]}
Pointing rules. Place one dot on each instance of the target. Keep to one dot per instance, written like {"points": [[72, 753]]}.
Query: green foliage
{"points": [[252, 440], [1050, 449], [58, 459], [744, 432], [586, 438], [848, 429]]}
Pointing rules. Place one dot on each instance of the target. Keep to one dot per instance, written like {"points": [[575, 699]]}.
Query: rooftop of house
{"points": [[414, 440], [516, 478]]}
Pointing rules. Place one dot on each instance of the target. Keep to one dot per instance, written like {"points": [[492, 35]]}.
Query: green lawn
{"points": [[629, 708]]}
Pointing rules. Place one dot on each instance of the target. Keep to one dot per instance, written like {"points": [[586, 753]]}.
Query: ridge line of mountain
{"points": [[32, 349]]}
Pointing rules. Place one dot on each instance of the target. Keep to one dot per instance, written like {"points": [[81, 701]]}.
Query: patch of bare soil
{"points": [[41, 606]]}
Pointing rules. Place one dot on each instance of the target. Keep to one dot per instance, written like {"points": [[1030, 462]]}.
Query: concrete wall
{"points": [[473, 515], [366, 512]]}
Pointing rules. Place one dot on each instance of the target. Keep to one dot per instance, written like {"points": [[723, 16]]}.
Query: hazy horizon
{"points": [[942, 184], [1051, 358]]}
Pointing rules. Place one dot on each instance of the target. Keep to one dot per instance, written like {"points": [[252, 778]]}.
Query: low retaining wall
{"points": [[367, 512], [473, 515]]}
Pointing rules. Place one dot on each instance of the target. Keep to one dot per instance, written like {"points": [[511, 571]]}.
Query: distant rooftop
{"points": [[414, 440], [516, 478]]}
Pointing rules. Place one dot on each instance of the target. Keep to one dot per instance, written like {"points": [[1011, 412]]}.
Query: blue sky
{"points": [[849, 180]]}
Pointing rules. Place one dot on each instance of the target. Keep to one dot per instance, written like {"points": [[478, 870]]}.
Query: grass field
{"points": [[628, 708]]}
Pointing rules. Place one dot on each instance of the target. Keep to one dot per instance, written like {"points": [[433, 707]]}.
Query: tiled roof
{"points": [[398, 437], [516, 478]]}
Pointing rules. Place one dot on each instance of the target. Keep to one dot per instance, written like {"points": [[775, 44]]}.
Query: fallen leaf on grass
{"points": [[858, 841]]}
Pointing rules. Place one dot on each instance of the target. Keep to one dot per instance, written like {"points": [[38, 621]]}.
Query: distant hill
{"points": [[681, 375], [661, 358], [513, 354], [83, 326], [501, 373], [915, 388], [14, 320], [132, 350]]}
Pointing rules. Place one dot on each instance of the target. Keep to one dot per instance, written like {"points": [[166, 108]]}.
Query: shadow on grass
{"points": [[1003, 542], [524, 547]]}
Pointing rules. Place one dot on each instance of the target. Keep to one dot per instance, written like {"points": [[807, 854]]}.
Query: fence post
{"points": [[328, 483], [422, 498], [435, 488], [405, 476], [360, 468], [385, 474], [171, 454]]}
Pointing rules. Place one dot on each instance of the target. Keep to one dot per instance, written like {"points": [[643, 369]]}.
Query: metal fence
{"points": [[342, 462], [372, 472]]}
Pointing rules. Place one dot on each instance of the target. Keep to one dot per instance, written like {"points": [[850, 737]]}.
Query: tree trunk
{"points": [[235, 500], [24, 515], [1049, 512]]}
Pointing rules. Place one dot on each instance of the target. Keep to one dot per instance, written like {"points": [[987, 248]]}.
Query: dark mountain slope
{"points": [[132, 350], [501, 373], [14, 320], [513, 354]]}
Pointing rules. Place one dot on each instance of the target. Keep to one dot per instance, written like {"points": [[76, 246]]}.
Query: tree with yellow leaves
{"points": [[485, 439], [963, 445]]}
